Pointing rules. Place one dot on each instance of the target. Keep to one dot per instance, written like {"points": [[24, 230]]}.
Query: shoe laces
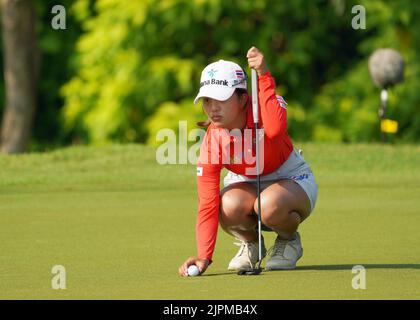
{"points": [[278, 248], [244, 249]]}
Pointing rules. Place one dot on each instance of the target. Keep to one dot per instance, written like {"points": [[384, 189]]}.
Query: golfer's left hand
{"points": [[256, 61], [202, 265]]}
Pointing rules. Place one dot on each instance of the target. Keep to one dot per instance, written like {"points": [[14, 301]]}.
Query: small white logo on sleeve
{"points": [[282, 102], [199, 171]]}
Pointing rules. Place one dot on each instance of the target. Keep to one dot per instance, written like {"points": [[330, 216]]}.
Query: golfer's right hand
{"points": [[202, 265], [256, 61]]}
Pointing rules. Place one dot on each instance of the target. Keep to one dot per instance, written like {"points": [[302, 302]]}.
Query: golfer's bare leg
{"points": [[284, 206], [237, 211]]}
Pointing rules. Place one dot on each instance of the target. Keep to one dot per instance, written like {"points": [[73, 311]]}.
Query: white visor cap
{"points": [[220, 79]]}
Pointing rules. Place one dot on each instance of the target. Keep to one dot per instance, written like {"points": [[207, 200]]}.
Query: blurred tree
{"points": [[346, 109], [133, 67], [21, 58], [58, 65], [137, 55], [56, 61]]}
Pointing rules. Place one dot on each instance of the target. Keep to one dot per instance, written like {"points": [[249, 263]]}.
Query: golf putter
{"points": [[257, 268]]}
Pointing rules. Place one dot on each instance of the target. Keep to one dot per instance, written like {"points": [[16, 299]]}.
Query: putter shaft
{"points": [[254, 82], [255, 270]]}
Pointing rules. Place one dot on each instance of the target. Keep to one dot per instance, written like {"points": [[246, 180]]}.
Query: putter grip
{"points": [[254, 83]]}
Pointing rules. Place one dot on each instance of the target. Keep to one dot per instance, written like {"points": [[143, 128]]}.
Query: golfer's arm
{"points": [[274, 117], [208, 211]]}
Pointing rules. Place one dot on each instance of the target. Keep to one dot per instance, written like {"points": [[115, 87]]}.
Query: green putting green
{"points": [[121, 225]]}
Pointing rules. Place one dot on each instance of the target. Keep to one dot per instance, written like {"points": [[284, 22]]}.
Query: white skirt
{"points": [[294, 168]]}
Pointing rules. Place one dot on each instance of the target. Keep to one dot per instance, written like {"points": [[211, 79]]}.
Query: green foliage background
{"points": [[122, 70], [56, 67]]}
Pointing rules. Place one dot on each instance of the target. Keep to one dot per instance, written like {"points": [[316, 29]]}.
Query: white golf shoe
{"points": [[247, 256], [285, 254]]}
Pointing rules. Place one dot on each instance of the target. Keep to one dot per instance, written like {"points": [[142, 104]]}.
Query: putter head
{"points": [[250, 271]]}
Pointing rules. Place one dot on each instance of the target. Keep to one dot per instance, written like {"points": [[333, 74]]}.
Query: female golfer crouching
{"points": [[288, 187]]}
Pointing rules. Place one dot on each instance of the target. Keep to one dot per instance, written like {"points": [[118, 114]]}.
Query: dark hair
{"points": [[239, 92]]}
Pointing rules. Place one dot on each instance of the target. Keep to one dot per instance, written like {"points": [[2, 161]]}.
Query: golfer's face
{"points": [[222, 113]]}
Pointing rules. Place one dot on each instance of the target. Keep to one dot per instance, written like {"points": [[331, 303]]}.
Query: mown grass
{"points": [[121, 225]]}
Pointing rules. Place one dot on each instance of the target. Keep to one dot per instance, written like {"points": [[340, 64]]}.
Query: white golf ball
{"points": [[193, 271]]}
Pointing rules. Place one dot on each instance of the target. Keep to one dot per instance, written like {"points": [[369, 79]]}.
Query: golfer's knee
{"points": [[232, 209], [272, 214]]}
